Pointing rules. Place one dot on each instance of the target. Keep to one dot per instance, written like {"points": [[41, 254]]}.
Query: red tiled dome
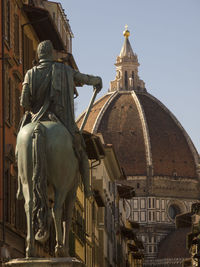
{"points": [[144, 133]]}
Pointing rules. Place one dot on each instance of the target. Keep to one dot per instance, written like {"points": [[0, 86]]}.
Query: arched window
{"points": [[126, 80], [173, 211], [133, 75]]}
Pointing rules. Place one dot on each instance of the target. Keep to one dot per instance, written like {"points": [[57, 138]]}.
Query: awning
{"points": [[139, 244], [125, 191], [94, 147], [128, 233], [134, 225], [98, 198], [44, 26], [138, 255], [132, 248]]}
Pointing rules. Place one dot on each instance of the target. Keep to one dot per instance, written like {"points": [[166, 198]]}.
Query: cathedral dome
{"points": [[147, 138], [156, 154], [145, 135]]}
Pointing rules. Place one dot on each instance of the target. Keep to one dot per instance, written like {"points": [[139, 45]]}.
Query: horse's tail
{"points": [[39, 179]]}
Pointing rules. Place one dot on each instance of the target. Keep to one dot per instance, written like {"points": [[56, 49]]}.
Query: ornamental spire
{"points": [[127, 64], [126, 50]]}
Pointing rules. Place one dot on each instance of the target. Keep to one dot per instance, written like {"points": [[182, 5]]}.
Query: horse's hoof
{"points": [[30, 252], [19, 195], [60, 251], [42, 236]]}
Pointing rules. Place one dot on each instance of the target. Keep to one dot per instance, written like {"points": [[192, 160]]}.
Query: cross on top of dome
{"points": [[126, 33]]}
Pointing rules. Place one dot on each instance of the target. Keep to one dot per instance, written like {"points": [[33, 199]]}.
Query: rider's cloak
{"points": [[50, 87]]}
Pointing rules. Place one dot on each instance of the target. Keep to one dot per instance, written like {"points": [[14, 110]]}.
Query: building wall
{"points": [[19, 45], [103, 182], [1, 113], [13, 221], [113, 244]]}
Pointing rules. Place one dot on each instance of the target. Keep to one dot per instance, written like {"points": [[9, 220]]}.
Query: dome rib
{"points": [[145, 134], [101, 113], [96, 109], [121, 126]]}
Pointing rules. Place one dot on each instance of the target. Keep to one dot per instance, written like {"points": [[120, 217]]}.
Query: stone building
{"points": [[20, 32], [156, 154], [110, 237], [12, 216]]}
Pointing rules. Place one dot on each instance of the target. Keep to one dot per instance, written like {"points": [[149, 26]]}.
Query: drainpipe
{"points": [[85, 210], [3, 121]]}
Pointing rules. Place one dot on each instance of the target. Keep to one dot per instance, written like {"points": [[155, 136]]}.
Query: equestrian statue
{"points": [[50, 149]]}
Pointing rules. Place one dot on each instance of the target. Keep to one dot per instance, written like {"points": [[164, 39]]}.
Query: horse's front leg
{"points": [[30, 251]]}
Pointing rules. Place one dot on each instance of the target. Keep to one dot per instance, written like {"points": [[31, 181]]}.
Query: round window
{"points": [[173, 211]]}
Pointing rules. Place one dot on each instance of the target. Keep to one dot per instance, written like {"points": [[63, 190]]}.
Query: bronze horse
{"points": [[46, 159]]}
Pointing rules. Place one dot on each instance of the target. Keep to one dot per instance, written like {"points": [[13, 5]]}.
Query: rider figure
{"points": [[48, 94]]}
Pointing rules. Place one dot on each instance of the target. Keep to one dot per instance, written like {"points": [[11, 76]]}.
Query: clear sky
{"points": [[165, 34]]}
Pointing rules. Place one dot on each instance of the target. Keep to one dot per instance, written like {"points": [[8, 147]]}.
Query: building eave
{"points": [[94, 147], [125, 191], [112, 163], [44, 26]]}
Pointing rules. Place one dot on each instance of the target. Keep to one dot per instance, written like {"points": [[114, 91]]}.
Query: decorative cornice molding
{"points": [[164, 262]]}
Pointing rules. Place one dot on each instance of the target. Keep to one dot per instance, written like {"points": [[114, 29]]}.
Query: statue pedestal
{"points": [[45, 262]]}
